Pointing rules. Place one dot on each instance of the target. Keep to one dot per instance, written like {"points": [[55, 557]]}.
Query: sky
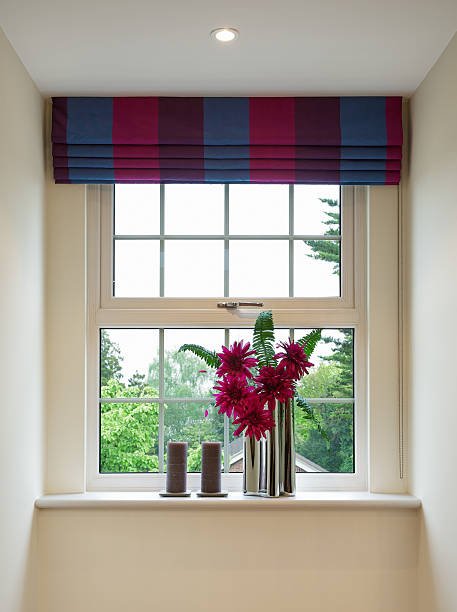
{"points": [[196, 268]]}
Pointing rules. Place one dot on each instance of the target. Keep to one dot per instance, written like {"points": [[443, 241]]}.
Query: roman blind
{"points": [[339, 140]]}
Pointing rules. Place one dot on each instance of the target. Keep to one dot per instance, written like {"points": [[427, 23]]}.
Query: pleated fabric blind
{"points": [[339, 140]]}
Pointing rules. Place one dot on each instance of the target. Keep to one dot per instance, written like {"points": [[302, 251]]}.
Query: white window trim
{"points": [[105, 311]]}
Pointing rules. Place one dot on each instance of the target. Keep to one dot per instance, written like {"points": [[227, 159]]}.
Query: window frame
{"points": [[106, 311]]}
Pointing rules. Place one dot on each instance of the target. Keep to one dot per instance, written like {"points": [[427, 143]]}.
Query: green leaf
{"points": [[308, 342], [310, 414], [264, 338], [209, 357]]}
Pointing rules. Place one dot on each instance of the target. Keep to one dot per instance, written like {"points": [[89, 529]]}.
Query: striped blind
{"points": [[333, 140]]}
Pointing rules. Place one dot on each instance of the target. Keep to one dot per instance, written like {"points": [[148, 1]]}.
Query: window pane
{"points": [[316, 268], [331, 452], [194, 268], [259, 268], [182, 375], [129, 438], [137, 209], [187, 422], [311, 215], [333, 371], [127, 361], [194, 209], [136, 268], [259, 209]]}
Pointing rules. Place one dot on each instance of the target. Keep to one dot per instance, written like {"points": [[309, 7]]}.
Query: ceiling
{"points": [[295, 47]]}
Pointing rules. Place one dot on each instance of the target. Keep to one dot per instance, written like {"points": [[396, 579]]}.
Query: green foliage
{"points": [[333, 378], [129, 431], [312, 416], [309, 342], [209, 357], [322, 381], [264, 338], [334, 452], [328, 250]]}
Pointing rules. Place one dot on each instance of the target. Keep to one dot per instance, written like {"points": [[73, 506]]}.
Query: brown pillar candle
{"points": [[211, 467], [176, 467]]}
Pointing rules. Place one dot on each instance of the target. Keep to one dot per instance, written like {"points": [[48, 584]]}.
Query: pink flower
{"points": [[293, 360], [273, 384], [236, 360], [254, 420], [232, 396]]}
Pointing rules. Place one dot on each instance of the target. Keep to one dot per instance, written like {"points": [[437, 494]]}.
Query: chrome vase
{"points": [[272, 460], [269, 463], [253, 466], [286, 433]]}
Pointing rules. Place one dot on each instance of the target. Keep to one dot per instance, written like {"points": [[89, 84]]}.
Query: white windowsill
{"points": [[152, 501]]}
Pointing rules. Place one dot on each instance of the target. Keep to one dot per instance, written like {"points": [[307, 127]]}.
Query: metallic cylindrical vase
{"points": [[286, 426], [273, 458], [254, 466]]}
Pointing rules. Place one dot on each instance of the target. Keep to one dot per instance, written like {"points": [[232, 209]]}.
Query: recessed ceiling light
{"points": [[225, 35]]}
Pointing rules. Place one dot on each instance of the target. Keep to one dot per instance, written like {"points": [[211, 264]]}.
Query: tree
{"points": [[328, 250], [129, 432], [110, 359]]}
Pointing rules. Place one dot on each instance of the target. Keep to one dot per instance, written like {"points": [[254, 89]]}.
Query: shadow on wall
{"points": [[427, 592], [30, 595]]}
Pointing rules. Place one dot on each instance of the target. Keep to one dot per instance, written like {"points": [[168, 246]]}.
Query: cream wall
{"points": [[65, 337], [143, 560], [21, 328], [431, 221]]}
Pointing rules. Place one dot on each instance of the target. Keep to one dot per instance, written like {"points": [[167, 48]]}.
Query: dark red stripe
{"points": [[135, 121], [271, 121], [59, 127], [394, 129]]}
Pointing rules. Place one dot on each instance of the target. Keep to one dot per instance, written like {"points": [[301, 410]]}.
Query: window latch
{"points": [[234, 305]]}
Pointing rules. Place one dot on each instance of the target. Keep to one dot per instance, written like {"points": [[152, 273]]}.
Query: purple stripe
{"points": [[317, 122], [181, 123]]}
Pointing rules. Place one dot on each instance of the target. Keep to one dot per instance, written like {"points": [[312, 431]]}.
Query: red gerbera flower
{"points": [[236, 361], [273, 384], [232, 396], [254, 420], [293, 360]]}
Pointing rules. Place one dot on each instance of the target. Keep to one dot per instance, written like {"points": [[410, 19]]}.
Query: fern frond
{"points": [[264, 338], [209, 357], [308, 342], [310, 415]]}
